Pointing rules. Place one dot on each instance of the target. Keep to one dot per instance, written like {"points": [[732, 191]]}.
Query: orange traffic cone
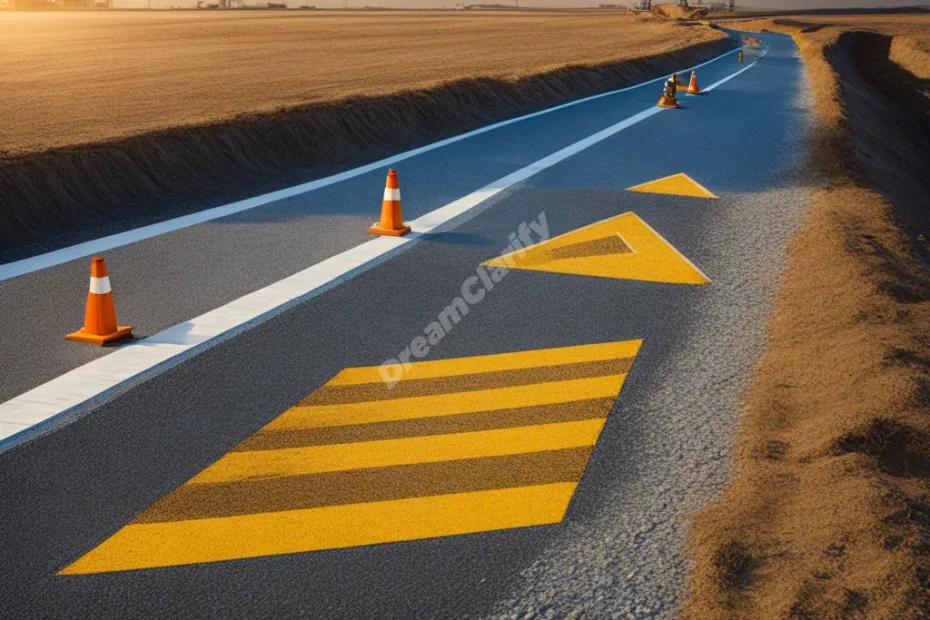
{"points": [[392, 222], [693, 88], [741, 55], [100, 324], [668, 100]]}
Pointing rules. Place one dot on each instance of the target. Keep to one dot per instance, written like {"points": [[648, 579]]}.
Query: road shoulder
{"points": [[828, 515]]}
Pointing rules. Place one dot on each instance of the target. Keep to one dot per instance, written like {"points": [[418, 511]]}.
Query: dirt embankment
{"points": [[362, 87], [676, 11], [829, 513]]}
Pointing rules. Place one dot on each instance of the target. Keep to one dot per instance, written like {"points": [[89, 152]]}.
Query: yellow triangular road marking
{"points": [[676, 185], [650, 257]]}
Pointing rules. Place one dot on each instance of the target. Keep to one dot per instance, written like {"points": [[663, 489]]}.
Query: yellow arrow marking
{"points": [[676, 185], [648, 257]]}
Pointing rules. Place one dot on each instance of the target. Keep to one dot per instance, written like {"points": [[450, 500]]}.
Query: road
{"points": [[605, 426]]}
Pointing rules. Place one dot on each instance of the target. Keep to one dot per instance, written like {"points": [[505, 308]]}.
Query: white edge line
{"points": [[730, 77], [69, 396], [80, 250]]}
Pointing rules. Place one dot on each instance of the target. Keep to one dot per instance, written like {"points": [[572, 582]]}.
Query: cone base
{"points": [[81, 336], [376, 229], [696, 91], [668, 102]]}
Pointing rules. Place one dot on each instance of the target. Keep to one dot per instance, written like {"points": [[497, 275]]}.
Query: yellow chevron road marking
{"points": [[431, 449], [317, 416], [497, 363], [273, 517], [153, 545]]}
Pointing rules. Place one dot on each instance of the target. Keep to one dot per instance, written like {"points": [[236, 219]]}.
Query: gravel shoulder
{"points": [[665, 454], [829, 514]]}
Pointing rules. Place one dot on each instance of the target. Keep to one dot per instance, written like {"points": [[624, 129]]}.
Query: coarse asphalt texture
{"points": [[663, 453]]}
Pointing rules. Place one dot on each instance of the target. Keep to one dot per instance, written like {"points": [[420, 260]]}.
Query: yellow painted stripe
{"points": [[492, 363], [318, 416], [272, 533], [263, 464]]}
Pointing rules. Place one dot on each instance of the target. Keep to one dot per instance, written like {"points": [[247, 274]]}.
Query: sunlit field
{"points": [[81, 77]]}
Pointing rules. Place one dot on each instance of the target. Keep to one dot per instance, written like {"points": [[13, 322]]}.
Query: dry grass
{"points": [[82, 77], [117, 120], [829, 515], [675, 11]]}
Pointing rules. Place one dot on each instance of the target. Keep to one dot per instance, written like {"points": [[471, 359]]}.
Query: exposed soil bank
{"points": [[60, 197], [829, 514]]}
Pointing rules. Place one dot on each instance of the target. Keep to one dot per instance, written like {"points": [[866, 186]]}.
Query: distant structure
{"points": [[641, 5], [70, 4]]}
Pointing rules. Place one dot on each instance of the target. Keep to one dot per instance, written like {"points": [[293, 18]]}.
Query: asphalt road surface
{"points": [[261, 478]]}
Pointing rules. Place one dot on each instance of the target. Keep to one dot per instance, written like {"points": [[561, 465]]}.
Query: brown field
{"points": [[86, 77], [829, 514], [823, 30]]}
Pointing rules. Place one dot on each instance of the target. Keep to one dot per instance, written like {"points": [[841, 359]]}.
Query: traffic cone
{"points": [[741, 55], [693, 88], [100, 324], [392, 222], [668, 100]]}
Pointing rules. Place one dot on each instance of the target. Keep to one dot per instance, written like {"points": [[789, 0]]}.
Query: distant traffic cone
{"points": [[693, 88], [100, 324], [740, 56], [392, 222], [668, 100]]}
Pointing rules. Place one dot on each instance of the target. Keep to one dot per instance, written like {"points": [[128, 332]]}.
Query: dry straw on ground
{"points": [[79, 77], [157, 114], [829, 515]]}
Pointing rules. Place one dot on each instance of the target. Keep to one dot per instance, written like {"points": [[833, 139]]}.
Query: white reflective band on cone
{"points": [[392, 194], [100, 286]]}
